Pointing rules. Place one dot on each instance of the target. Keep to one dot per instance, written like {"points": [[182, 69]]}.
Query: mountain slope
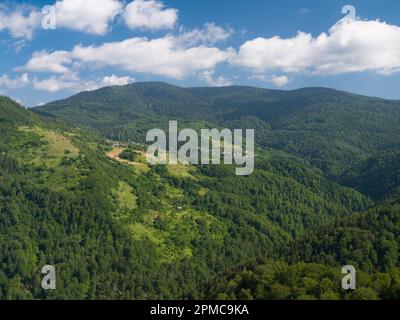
{"points": [[11, 113], [332, 129], [369, 241], [378, 177], [123, 230]]}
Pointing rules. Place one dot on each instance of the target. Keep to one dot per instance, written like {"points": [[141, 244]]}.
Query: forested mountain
{"points": [[367, 240], [12, 114], [278, 280], [116, 228], [378, 176], [332, 129]]}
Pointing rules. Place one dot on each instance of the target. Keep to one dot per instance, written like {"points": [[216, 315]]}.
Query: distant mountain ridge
{"points": [[145, 97], [330, 128]]}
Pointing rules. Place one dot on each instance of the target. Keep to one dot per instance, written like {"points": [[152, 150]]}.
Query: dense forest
{"points": [[377, 177], [324, 194], [278, 280], [367, 240], [331, 129]]}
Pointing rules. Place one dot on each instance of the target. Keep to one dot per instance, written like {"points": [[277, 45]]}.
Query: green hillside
{"points": [[116, 228], [332, 129], [278, 280], [368, 241], [378, 177]]}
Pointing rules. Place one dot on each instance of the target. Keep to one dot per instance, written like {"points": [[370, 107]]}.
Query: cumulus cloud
{"points": [[162, 56], [349, 46], [87, 15], [278, 81], [353, 46], [149, 14], [220, 81], [54, 84], [210, 34], [81, 15], [14, 83], [74, 84], [21, 21], [114, 80], [169, 56], [43, 61]]}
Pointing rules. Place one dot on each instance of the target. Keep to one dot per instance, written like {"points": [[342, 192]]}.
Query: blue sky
{"points": [[273, 44]]}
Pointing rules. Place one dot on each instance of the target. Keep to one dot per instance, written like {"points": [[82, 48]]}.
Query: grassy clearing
{"points": [[181, 227], [57, 144], [125, 197], [181, 171], [202, 192], [126, 201], [140, 165], [168, 250], [52, 154], [141, 231]]}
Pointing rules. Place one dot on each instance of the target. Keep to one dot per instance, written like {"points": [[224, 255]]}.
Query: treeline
{"points": [[367, 240], [377, 177], [277, 280]]}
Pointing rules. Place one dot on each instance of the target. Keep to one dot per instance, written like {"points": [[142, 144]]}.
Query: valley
{"points": [[75, 194]]}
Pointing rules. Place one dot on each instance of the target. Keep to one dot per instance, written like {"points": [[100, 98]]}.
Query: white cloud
{"points": [[114, 80], [43, 61], [75, 84], [55, 83], [278, 81], [149, 14], [354, 46], [221, 81], [162, 56], [81, 15], [21, 21], [87, 15], [16, 83], [210, 34], [169, 56]]}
